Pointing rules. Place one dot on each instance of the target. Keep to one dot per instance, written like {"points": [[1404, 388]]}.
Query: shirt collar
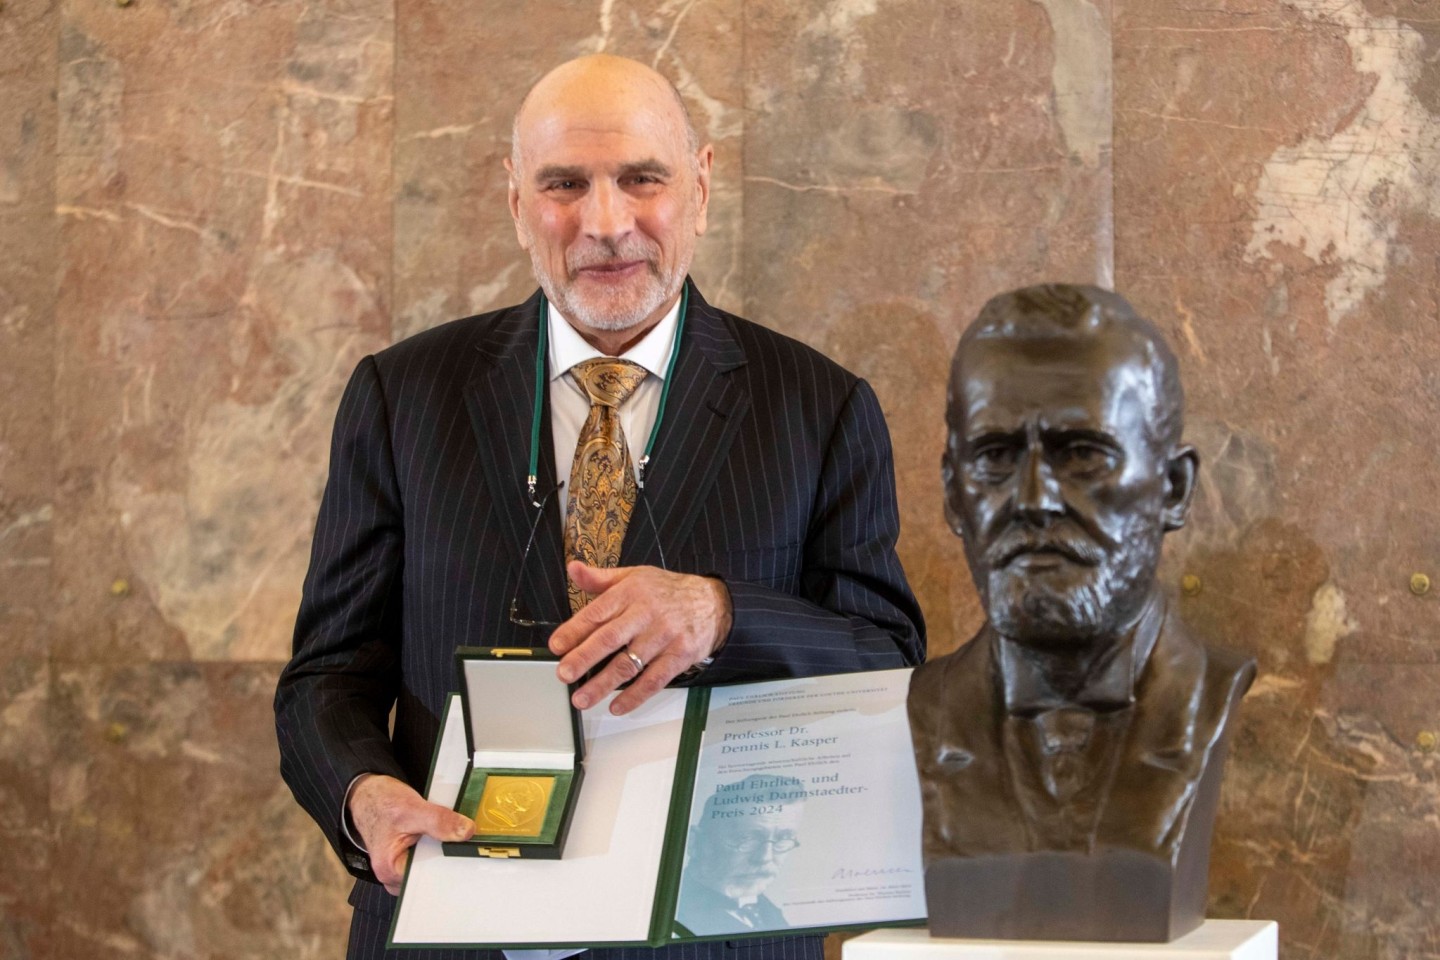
{"points": [[1110, 685], [568, 348]]}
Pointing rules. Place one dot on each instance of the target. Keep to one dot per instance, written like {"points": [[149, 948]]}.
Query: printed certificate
{"points": [[806, 808]]}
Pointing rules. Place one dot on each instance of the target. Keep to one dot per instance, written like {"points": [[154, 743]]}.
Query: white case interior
{"points": [[519, 715]]}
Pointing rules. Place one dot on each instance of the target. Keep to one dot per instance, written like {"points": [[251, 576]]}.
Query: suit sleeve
{"points": [[334, 697], [854, 610]]}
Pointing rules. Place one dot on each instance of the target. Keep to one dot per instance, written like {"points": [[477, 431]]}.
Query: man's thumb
{"points": [[456, 826], [593, 580], [461, 828], [441, 823]]}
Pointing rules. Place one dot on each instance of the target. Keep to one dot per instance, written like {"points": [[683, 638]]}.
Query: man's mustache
{"points": [[1017, 543], [602, 252]]}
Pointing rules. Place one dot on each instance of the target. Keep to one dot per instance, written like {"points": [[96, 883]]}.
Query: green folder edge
{"points": [[667, 884]]}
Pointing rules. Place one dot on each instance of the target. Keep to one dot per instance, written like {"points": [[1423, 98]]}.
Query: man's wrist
{"points": [[353, 853], [726, 620], [352, 833], [694, 670]]}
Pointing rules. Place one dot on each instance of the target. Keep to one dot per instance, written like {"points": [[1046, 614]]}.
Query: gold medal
{"points": [[514, 806]]}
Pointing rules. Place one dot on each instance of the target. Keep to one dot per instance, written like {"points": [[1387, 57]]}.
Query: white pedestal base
{"points": [[1213, 940]]}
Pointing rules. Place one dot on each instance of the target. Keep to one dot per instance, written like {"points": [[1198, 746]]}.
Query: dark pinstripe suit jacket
{"points": [[772, 469]]}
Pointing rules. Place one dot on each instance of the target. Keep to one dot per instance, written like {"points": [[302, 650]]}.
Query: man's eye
{"points": [[993, 460], [563, 185], [1085, 459]]}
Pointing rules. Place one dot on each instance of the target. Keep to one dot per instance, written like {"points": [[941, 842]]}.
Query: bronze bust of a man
{"points": [[1070, 754]]}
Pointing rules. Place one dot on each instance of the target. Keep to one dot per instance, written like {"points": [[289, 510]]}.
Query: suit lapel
{"points": [[705, 407], [499, 398], [982, 794], [1166, 746]]}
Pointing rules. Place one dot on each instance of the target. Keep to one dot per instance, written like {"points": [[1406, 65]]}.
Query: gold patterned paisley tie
{"points": [[602, 485]]}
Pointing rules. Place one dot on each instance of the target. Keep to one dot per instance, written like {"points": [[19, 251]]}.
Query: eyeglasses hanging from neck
{"points": [[521, 620]]}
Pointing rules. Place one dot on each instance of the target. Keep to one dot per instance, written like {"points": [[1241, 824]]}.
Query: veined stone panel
{"points": [[236, 201], [164, 786], [223, 204], [223, 192], [905, 160], [1278, 212], [28, 36]]}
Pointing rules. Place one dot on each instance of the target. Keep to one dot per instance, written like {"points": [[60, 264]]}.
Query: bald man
{"points": [[710, 501]]}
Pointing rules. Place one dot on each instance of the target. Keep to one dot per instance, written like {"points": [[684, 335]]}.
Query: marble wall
{"points": [[1277, 188], [210, 209]]}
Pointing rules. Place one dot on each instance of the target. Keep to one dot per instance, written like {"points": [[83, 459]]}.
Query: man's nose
{"points": [[764, 852], [1037, 498], [606, 212]]}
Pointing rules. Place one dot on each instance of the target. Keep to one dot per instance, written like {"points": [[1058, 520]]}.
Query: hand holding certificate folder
{"points": [[784, 806], [389, 815]]}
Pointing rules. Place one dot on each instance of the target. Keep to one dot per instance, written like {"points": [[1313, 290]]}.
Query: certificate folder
{"points": [[753, 810]]}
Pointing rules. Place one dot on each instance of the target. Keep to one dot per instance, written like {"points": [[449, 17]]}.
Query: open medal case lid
{"points": [[514, 704], [525, 747]]}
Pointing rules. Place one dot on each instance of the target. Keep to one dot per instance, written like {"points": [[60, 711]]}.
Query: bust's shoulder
{"points": [[1223, 664], [964, 674], [1228, 675], [1192, 684], [975, 653], [1221, 668]]}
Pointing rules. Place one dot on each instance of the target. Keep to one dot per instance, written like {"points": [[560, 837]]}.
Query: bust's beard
{"points": [[1099, 607]]}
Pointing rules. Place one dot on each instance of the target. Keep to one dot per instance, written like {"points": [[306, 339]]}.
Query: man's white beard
{"points": [[613, 316], [598, 313]]}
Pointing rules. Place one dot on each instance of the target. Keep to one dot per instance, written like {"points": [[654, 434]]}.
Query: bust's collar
{"points": [[1110, 684]]}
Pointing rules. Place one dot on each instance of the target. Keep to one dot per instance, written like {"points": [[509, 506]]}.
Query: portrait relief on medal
{"points": [[514, 806], [1075, 745]]}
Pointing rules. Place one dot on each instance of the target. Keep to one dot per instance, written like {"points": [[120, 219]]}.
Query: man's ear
{"points": [[704, 160], [951, 485], [514, 197], [1180, 473]]}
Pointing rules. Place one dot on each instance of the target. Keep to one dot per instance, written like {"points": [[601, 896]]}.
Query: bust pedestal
{"points": [[1212, 940]]}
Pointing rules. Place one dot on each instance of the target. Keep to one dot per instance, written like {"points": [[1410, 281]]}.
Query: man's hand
{"points": [[671, 621], [392, 817]]}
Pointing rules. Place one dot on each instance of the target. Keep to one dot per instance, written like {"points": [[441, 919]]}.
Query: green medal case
{"points": [[525, 750]]}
